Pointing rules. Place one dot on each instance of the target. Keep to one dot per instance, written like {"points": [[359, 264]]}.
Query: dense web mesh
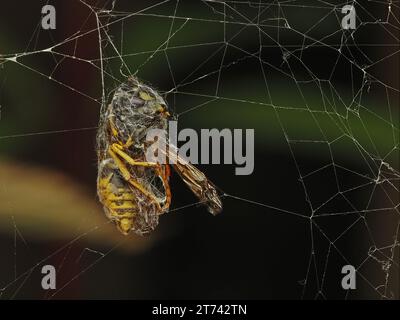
{"points": [[323, 102]]}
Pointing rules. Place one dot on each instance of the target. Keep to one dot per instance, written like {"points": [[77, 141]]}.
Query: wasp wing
{"points": [[196, 180]]}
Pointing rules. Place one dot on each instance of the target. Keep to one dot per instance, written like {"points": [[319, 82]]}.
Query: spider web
{"points": [[323, 102]]}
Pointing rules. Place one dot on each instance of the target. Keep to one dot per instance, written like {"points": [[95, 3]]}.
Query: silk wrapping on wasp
{"points": [[133, 191]]}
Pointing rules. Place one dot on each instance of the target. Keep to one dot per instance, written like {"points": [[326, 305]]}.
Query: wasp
{"points": [[135, 192]]}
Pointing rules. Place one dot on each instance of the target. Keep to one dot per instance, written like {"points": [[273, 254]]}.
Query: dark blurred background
{"points": [[324, 106]]}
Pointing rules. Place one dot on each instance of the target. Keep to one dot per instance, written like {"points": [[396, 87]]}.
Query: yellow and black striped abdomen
{"points": [[124, 204], [118, 199]]}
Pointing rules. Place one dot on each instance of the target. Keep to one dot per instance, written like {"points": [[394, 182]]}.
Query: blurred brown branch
{"points": [[48, 206]]}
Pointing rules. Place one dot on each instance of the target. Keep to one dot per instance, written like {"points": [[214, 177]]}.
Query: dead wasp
{"points": [[133, 191]]}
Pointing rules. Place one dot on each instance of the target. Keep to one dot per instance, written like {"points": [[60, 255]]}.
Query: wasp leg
{"points": [[165, 178], [164, 174], [113, 129], [114, 132], [118, 149], [127, 176]]}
